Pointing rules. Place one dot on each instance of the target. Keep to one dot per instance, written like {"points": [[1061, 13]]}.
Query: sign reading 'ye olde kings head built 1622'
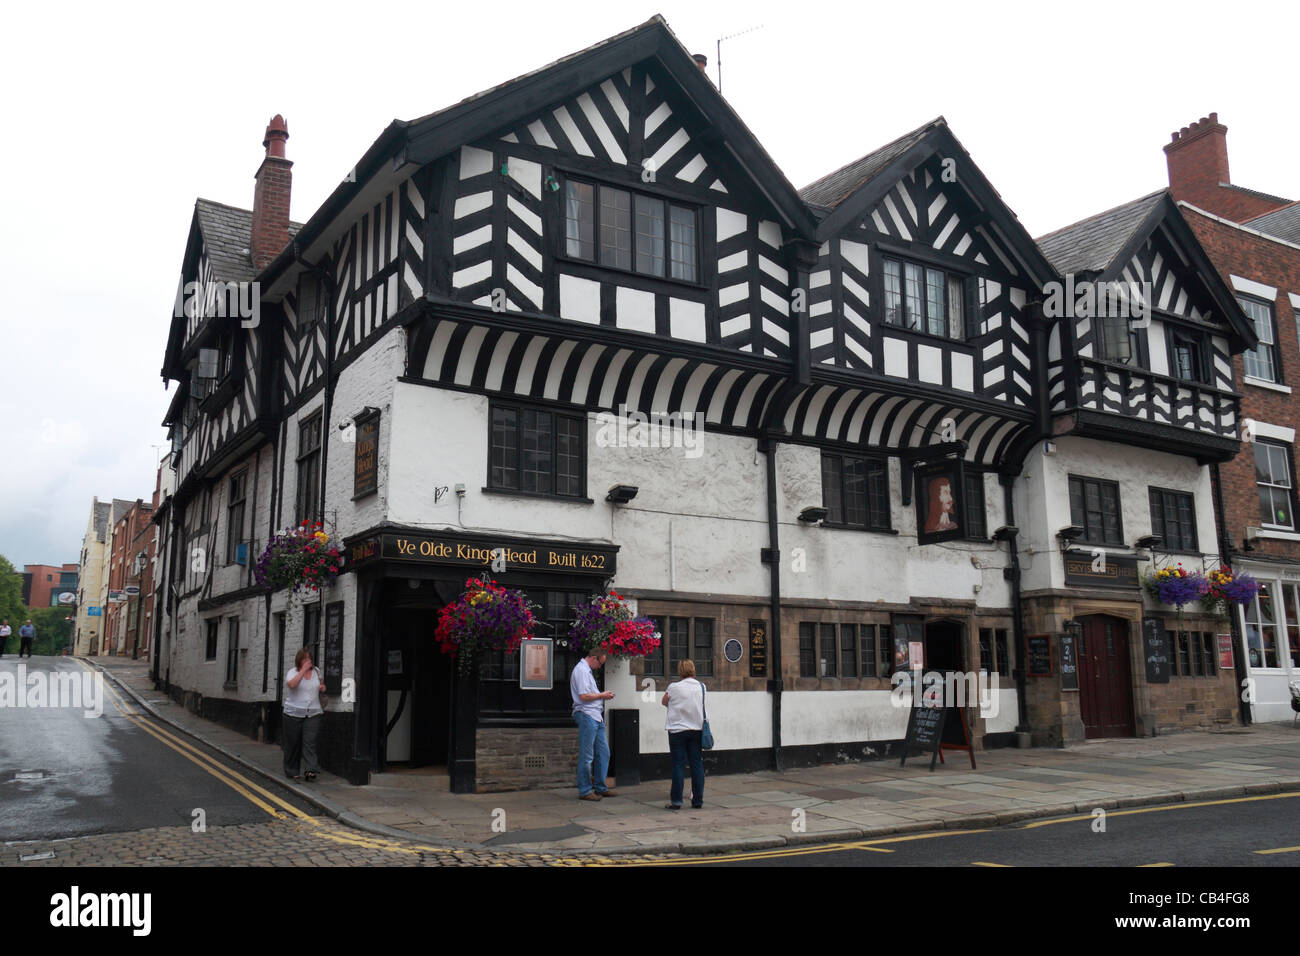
{"points": [[484, 553]]}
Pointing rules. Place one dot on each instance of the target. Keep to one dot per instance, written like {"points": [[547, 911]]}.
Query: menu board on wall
{"points": [[333, 654], [1155, 648], [1069, 663], [1039, 656]]}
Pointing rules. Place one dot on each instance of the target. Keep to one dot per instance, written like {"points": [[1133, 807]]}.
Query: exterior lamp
{"points": [[622, 494], [813, 514]]}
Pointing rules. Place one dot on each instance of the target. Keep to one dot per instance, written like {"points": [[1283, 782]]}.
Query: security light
{"points": [[813, 514], [622, 494], [1148, 541]]}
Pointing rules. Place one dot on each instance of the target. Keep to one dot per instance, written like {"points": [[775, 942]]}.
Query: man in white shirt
{"points": [[589, 715]]}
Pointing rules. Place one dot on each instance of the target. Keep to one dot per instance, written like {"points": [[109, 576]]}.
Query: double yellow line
{"points": [[257, 795]]}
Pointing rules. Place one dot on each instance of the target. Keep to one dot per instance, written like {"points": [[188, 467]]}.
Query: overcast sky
{"points": [[117, 116]]}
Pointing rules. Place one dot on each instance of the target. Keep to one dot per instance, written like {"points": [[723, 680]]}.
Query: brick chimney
{"points": [[270, 232], [1198, 161]]}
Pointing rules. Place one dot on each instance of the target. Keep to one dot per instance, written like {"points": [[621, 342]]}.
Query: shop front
{"points": [[415, 711], [1102, 660], [1271, 627]]}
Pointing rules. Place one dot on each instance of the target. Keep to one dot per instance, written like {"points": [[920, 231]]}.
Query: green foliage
{"points": [[11, 595], [53, 632]]}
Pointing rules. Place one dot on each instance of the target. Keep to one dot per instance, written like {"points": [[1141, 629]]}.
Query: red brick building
{"points": [[43, 583], [131, 556], [1257, 516]]}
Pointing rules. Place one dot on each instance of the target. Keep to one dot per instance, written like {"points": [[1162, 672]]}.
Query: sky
{"points": [[116, 117]]}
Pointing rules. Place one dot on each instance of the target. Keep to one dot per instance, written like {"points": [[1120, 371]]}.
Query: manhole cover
{"points": [[27, 858]]}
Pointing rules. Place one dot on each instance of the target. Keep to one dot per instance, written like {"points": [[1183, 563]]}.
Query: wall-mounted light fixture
{"points": [[622, 494], [1006, 532], [1148, 542], [813, 514]]}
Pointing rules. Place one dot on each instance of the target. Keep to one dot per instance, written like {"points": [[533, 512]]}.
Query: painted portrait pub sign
{"points": [[940, 502]]}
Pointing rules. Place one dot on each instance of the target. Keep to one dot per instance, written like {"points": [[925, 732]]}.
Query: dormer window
{"points": [[925, 299], [633, 231]]}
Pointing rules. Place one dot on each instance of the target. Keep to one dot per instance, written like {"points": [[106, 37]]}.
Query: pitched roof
{"points": [[1268, 197], [1282, 223], [833, 188], [1091, 244], [226, 234]]}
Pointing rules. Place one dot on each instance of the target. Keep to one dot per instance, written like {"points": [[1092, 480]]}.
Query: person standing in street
{"points": [[685, 725], [5, 631], [589, 715], [27, 633], [302, 716]]}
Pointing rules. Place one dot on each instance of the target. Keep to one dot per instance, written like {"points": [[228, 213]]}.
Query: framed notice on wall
{"points": [[365, 479], [536, 664], [332, 664], [1225, 652]]}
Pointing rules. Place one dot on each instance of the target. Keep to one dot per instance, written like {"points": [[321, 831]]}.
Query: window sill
{"points": [[854, 527], [510, 493], [1279, 535], [616, 271], [1263, 383], [928, 336]]}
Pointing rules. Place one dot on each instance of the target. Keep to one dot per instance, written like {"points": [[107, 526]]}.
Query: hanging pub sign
{"points": [[536, 664], [940, 505], [365, 470]]}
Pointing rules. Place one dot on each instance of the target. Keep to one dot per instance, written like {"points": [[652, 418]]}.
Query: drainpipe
{"points": [[1225, 552], [328, 403], [772, 555], [1018, 617]]}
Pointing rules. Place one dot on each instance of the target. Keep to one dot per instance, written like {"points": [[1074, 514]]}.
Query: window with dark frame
{"points": [[1209, 649], [976, 522], [885, 648], [1187, 356], [994, 651], [537, 451], [307, 507], [1184, 654], [826, 657], [311, 631], [1261, 362], [703, 644], [232, 652], [499, 693], [807, 650], [214, 632], [1094, 506], [630, 230], [653, 663], [848, 650], [235, 515], [829, 649], [926, 298], [1276, 488], [1119, 340], [855, 491], [1173, 519]]}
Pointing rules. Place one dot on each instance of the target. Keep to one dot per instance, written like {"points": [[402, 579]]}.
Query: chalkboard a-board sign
{"points": [[925, 732], [1039, 656], [333, 663], [1155, 647], [1069, 663]]}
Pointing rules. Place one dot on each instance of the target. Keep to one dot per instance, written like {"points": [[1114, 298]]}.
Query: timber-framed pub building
{"points": [[885, 439]]}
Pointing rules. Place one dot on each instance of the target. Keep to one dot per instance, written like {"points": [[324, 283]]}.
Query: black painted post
{"points": [[464, 726], [625, 750]]}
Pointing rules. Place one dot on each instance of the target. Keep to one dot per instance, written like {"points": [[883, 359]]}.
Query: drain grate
{"points": [[29, 857], [535, 762]]}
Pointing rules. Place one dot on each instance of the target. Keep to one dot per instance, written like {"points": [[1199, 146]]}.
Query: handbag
{"points": [[706, 741]]}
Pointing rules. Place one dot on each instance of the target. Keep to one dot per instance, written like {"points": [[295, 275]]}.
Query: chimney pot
{"points": [[277, 131], [701, 61]]}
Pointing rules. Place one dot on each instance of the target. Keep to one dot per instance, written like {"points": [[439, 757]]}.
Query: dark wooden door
{"points": [[1105, 683]]}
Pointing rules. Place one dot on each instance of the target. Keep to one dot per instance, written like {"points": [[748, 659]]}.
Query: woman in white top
{"points": [[685, 725], [302, 716], [5, 631]]}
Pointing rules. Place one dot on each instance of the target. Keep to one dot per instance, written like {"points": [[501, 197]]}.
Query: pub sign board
{"points": [[940, 503], [474, 552], [1039, 656], [1155, 648], [365, 469], [1089, 570], [333, 653], [758, 648], [1069, 663]]}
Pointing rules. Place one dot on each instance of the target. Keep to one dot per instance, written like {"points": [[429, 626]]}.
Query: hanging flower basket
{"points": [[299, 557], [486, 617], [1176, 587], [606, 624], [1225, 588]]}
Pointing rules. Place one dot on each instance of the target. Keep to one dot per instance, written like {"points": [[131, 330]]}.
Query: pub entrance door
{"points": [[417, 691], [1105, 679]]}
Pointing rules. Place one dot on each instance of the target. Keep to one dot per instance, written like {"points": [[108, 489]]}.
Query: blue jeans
{"points": [[685, 745], [591, 738]]}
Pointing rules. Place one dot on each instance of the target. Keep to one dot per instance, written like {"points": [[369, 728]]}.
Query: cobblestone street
{"points": [[285, 842]]}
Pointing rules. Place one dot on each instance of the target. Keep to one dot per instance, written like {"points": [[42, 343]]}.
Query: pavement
{"points": [[828, 803]]}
